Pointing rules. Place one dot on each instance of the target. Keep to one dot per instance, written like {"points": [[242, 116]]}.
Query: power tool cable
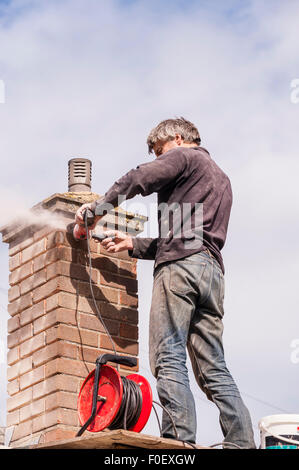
{"points": [[91, 286]]}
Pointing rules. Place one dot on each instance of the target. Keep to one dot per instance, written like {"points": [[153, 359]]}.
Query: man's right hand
{"points": [[79, 218], [121, 241]]}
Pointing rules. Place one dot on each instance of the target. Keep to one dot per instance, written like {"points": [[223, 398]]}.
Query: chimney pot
{"points": [[79, 175]]}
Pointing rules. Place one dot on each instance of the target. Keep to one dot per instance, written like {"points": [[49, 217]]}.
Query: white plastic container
{"points": [[279, 432]]}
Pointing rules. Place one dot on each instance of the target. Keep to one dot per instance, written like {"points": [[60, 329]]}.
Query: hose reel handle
{"points": [[124, 360]]}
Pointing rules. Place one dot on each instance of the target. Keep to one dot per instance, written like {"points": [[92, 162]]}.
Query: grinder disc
{"points": [[110, 387]]}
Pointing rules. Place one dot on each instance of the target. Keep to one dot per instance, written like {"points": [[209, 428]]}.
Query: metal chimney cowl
{"points": [[79, 175]]}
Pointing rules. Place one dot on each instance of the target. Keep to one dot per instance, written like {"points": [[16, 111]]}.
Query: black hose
{"points": [[130, 407], [91, 286]]}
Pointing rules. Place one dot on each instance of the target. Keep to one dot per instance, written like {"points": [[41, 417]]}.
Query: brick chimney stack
{"points": [[54, 335]]}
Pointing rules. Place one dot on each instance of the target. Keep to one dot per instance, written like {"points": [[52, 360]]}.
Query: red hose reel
{"points": [[103, 395]]}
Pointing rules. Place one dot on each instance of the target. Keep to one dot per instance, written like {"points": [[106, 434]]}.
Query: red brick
{"points": [[66, 284], [61, 399], [33, 250], [58, 434], [77, 271], [127, 268], [118, 282], [121, 345], [44, 322], [13, 387], [128, 299], [32, 377], [105, 264], [13, 293], [26, 332], [14, 247], [45, 420], [94, 247], [69, 333], [32, 313], [62, 299], [44, 232], [14, 261], [83, 289], [57, 254], [32, 282], [59, 268], [86, 304], [13, 419], [33, 409], [55, 239], [33, 344], [24, 239], [13, 323], [66, 315], [19, 400], [13, 355], [68, 417], [53, 350], [68, 254], [20, 304], [92, 322], [19, 368], [89, 355], [53, 270], [64, 365], [121, 255], [54, 383], [13, 339], [22, 430], [56, 416], [68, 350], [45, 259], [128, 331], [21, 273], [47, 289], [59, 315], [57, 284], [117, 312], [45, 354]]}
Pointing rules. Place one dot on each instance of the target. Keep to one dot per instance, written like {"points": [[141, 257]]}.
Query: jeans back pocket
{"points": [[185, 276]]}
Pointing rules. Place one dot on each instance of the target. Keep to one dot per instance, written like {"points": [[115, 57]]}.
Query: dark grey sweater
{"points": [[195, 199]]}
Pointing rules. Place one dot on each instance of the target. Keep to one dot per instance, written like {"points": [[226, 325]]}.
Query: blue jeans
{"points": [[186, 314]]}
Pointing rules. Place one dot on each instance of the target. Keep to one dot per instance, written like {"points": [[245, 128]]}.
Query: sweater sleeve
{"points": [[144, 248], [146, 179]]}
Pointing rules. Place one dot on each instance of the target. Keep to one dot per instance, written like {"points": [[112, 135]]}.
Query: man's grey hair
{"points": [[168, 129]]}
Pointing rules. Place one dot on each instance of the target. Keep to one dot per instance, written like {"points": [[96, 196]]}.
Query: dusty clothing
{"points": [[184, 178], [188, 290], [186, 314]]}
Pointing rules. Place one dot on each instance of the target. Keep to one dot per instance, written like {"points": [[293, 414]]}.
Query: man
{"points": [[188, 289]]}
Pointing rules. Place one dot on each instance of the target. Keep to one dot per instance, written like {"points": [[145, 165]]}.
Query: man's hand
{"points": [[121, 241], [79, 218]]}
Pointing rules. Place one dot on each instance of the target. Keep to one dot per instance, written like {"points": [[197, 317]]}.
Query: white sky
{"points": [[91, 78]]}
